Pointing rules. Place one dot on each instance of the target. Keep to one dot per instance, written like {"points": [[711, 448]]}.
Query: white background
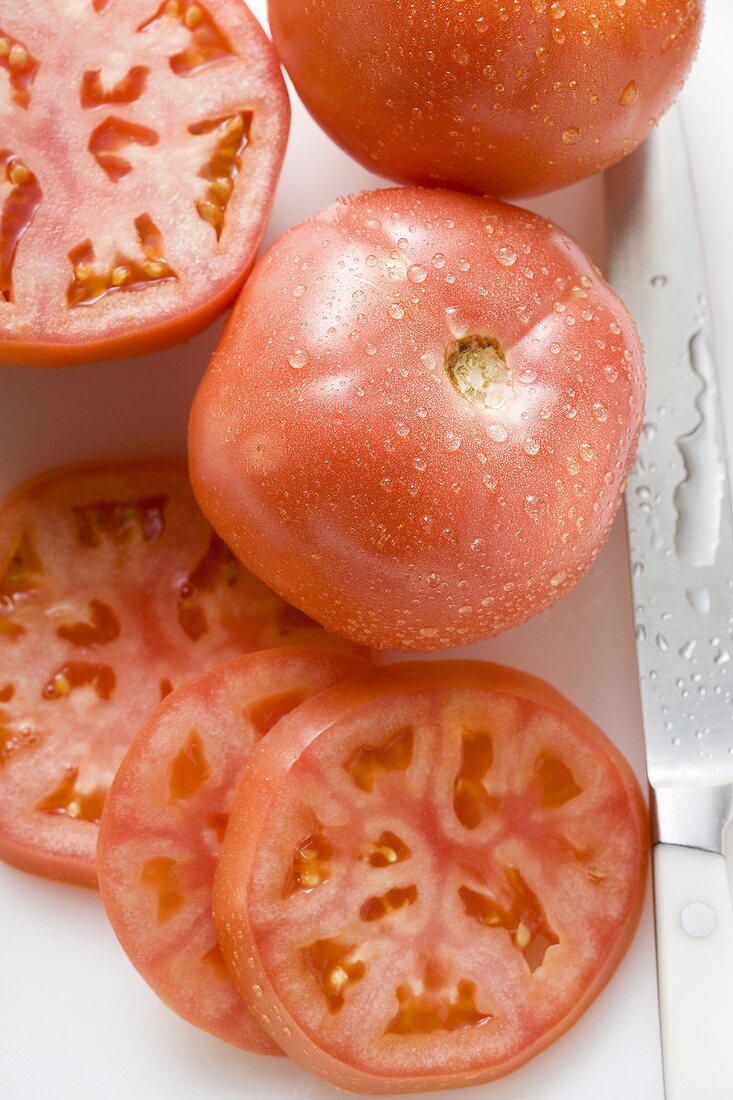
{"points": [[76, 1021]]}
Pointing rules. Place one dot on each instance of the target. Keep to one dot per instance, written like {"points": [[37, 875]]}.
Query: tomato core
{"points": [[478, 370]]}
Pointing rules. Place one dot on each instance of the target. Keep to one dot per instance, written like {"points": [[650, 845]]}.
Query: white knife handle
{"points": [[694, 918]]}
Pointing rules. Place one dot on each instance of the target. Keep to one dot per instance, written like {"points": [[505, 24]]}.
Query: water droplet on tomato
{"points": [[629, 95], [298, 358], [506, 257], [416, 273]]}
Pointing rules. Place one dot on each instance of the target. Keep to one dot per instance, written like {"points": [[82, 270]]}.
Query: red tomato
{"points": [[135, 181], [428, 874], [420, 419], [166, 813], [113, 589], [487, 95]]}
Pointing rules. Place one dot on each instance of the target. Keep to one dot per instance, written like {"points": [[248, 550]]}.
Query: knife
{"points": [[680, 529]]}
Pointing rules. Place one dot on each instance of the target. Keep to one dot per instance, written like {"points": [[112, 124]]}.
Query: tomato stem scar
{"points": [[478, 370]]}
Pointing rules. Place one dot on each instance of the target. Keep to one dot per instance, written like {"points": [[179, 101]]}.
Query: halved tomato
{"points": [[165, 816], [113, 590], [141, 143], [428, 874]]}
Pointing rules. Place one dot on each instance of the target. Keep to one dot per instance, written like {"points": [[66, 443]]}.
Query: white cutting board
{"points": [[76, 1021]]}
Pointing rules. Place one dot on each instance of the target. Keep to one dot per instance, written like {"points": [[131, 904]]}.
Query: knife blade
{"points": [[680, 532]]}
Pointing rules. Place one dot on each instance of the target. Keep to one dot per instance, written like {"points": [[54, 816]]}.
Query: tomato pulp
{"points": [[113, 590], [428, 874], [135, 181], [420, 418], [166, 813], [498, 98]]}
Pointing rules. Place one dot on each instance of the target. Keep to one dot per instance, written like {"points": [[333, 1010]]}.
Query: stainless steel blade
{"points": [[678, 502]]}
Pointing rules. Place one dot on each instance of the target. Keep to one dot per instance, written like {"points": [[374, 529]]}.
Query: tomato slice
{"points": [[135, 182], [113, 590], [165, 816], [428, 875]]}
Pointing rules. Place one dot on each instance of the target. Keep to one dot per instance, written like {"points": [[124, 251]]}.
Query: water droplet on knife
{"points": [[699, 498]]}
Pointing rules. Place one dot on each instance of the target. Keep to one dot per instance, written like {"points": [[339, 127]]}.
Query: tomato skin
{"points": [[165, 177], [260, 799], [157, 337], [331, 451], [487, 97], [205, 727]]}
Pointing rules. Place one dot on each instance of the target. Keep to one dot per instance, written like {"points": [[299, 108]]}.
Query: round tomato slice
{"points": [[135, 182], [113, 590], [428, 875], [166, 813]]}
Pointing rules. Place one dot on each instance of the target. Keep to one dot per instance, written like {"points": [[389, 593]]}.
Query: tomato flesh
{"points": [[166, 813], [113, 590], [419, 421], [134, 185], [428, 875], [500, 99]]}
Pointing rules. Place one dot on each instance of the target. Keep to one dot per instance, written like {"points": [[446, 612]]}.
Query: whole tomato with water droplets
{"points": [[497, 96], [420, 418]]}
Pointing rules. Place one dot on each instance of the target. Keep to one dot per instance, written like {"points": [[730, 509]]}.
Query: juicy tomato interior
{"points": [[135, 182], [113, 590], [166, 813], [427, 877]]}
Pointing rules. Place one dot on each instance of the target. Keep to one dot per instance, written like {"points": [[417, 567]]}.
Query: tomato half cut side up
{"points": [[428, 875], [113, 590], [137, 220], [166, 814]]}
